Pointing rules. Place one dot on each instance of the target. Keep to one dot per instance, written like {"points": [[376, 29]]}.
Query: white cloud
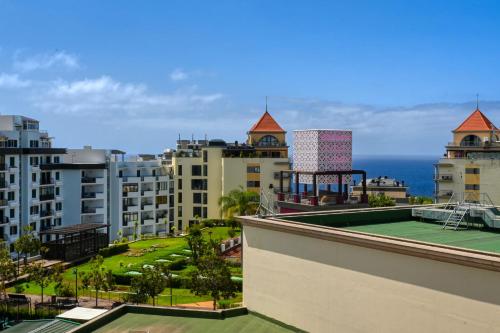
{"points": [[13, 81], [105, 97], [178, 75], [46, 61]]}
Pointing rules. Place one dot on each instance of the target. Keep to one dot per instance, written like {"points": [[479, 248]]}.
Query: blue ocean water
{"points": [[416, 171]]}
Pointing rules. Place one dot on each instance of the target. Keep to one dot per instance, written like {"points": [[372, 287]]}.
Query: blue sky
{"points": [[134, 74]]}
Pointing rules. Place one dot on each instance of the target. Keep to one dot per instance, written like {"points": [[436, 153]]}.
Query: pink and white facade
{"points": [[322, 150]]}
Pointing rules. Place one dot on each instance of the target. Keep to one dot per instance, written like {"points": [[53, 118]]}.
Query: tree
{"points": [[150, 283], [27, 244], [420, 200], [167, 273], [239, 202], [212, 277], [136, 230], [40, 275], [97, 277], [109, 284], [196, 242], [380, 200], [7, 269]]}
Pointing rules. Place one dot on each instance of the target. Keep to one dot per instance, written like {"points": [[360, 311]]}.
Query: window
{"points": [[196, 170], [471, 141], [129, 218], [13, 230], [179, 211], [57, 159], [205, 170], [205, 156], [33, 143], [34, 210], [205, 198], [199, 184], [179, 197], [171, 201], [197, 198], [253, 169], [12, 179], [472, 171], [197, 211], [57, 175], [179, 184], [11, 196], [472, 187], [12, 213], [253, 183], [204, 213], [33, 193], [34, 160], [11, 143], [179, 170], [179, 225], [268, 141], [58, 190], [33, 177], [12, 161], [138, 173], [58, 205], [120, 173]]}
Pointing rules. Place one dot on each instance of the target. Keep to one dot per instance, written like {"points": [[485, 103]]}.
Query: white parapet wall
{"points": [[324, 281]]}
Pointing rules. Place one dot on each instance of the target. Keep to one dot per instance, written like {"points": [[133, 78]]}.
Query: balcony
{"points": [[131, 179], [3, 184], [162, 192], [131, 208], [444, 178], [147, 193], [162, 206], [162, 220], [3, 202], [148, 221], [47, 181], [4, 220], [130, 194], [148, 179], [47, 197], [162, 178], [92, 180], [46, 213], [147, 207], [92, 210]]}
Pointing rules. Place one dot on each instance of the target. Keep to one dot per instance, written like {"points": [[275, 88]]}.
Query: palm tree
{"points": [[239, 202]]}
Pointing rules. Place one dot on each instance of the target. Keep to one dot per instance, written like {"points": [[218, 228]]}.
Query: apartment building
{"points": [[30, 178], [470, 168], [205, 170]]}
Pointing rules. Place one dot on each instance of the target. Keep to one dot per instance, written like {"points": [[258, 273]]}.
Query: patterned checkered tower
{"points": [[322, 150]]}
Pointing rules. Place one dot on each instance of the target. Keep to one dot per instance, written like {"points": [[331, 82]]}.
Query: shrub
{"points": [[178, 264], [64, 290], [113, 250], [19, 288], [380, 201]]}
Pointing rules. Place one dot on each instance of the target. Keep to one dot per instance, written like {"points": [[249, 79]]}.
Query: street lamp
{"points": [[75, 271]]}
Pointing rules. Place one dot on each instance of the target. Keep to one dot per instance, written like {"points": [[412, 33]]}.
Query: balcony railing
{"points": [[47, 181], [46, 213], [45, 197], [88, 180], [88, 195], [89, 210], [444, 178]]}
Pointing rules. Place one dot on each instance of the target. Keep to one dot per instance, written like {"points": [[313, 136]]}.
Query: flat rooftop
{"points": [[474, 239], [158, 323]]}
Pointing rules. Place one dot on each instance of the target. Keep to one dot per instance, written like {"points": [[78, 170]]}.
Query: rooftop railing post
{"points": [[340, 199], [297, 194]]}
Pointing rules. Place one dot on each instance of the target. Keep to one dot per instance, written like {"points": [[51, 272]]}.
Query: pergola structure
{"points": [[340, 196], [75, 241]]}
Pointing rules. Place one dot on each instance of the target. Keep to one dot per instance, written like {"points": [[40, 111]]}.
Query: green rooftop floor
{"points": [[159, 324], [433, 233]]}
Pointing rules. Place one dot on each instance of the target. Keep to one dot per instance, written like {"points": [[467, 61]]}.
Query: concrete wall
{"points": [[322, 285]]}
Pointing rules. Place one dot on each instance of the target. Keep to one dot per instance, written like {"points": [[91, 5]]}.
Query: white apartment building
{"points": [[30, 179]]}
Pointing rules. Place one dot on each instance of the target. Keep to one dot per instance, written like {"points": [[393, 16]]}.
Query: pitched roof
{"points": [[266, 123], [477, 121]]}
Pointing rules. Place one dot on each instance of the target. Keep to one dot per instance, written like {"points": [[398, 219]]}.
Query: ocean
{"points": [[416, 171]]}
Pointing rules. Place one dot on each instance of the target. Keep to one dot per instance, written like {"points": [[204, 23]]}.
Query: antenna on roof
{"points": [[477, 101], [266, 103]]}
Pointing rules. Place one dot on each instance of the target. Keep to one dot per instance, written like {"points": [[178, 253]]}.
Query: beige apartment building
{"points": [[205, 170], [470, 168]]}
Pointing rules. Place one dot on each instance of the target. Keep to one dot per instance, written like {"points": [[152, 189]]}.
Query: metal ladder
{"points": [[456, 216]]}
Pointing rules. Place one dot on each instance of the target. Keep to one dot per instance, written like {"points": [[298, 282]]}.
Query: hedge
{"points": [[113, 250]]}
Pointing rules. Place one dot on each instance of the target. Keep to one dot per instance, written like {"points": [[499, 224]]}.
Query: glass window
{"points": [[197, 198], [196, 170], [253, 169], [253, 183]]}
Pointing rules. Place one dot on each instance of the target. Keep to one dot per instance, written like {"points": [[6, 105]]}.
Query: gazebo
{"points": [[75, 241]]}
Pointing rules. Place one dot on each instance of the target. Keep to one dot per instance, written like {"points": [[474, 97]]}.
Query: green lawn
{"points": [[144, 252], [433, 233]]}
